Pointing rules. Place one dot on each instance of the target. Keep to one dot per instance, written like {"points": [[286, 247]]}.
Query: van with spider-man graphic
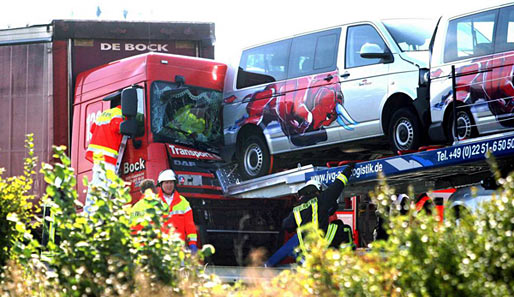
{"points": [[479, 47], [358, 87]]}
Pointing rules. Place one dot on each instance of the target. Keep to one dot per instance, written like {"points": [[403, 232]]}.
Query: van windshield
{"points": [[185, 114], [411, 34]]}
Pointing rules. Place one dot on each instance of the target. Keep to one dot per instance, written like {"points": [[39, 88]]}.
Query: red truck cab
{"points": [[176, 102]]}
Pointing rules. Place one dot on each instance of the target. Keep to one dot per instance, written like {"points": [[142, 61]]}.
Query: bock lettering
{"points": [[134, 167], [141, 47]]}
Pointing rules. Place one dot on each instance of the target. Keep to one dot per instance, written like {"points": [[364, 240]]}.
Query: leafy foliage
{"points": [[97, 253], [97, 256], [16, 208], [471, 256]]}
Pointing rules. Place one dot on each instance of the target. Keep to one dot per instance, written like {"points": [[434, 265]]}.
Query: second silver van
{"points": [[479, 46]]}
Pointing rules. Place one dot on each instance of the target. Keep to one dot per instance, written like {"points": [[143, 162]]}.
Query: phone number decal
{"points": [[473, 150]]}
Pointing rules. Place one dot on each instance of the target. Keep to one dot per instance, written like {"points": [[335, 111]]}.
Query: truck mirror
{"points": [[373, 51], [129, 102], [129, 127]]}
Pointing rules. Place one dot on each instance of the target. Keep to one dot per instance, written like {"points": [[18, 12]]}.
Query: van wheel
{"points": [[404, 130], [254, 157], [464, 126]]}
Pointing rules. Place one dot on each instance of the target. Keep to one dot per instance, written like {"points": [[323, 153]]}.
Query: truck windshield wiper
{"points": [[170, 94]]}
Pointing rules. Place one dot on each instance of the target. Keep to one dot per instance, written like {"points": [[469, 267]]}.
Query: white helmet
{"points": [[166, 175], [313, 183], [401, 199]]}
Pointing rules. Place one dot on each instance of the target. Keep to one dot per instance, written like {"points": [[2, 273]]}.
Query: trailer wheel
{"points": [[464, 126], [404, 130], [254, 157]]}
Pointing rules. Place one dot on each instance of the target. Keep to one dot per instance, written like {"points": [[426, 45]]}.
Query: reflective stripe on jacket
{"points": [[180, 216], [312, 203], [317, 210], [106, 137]]}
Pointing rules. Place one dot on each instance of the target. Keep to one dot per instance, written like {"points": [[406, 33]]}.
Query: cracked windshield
{"points": [[185, 114]]}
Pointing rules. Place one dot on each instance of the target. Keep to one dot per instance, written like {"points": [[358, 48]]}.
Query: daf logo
{"points": [[184, 163], [133, 167]]}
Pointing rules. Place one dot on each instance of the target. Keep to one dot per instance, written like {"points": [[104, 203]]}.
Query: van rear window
{"points": [[295, 57], [470, 36], [314, 53], [263, 64]]}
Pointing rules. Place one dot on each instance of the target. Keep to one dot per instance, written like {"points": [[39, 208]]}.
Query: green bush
{"points": [[97, 256], [16, 210], [422, 257]]}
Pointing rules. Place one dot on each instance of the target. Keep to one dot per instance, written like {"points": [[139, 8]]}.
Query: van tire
{"points": [[254, 158], [405, 131], [465, 120]]}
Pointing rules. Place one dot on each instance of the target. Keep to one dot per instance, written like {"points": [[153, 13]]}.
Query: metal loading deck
{"points": [[461, 164]]}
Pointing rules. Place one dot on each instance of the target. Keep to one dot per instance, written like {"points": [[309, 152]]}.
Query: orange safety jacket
{"points": [[106, 137], [180, 216]]}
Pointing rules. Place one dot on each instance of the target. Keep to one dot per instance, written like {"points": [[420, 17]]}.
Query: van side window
{"points": [[314, 53], [263, 64], [356, 37], [505, 30], [470, 36]]}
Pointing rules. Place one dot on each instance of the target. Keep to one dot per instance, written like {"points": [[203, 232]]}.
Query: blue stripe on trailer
{"points": [[453, 155]]}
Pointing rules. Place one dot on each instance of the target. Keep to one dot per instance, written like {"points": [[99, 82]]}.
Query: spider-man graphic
{"points": [[303, 113], [490, 80]]}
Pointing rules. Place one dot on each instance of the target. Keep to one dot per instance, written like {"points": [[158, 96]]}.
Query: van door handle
{"points": [[329, 77], [345, 75]]}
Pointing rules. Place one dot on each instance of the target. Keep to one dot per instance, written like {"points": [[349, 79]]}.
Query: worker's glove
{"points": [[348, 170], [346, 173], [208, 250], [193, 248]]}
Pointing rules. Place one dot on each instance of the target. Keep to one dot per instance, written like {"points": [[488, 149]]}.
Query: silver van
{"points": [[479, 45], [350, 87]]}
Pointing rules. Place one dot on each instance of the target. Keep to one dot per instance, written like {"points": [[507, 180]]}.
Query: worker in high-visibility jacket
{"points": [[105, 143], [176, 210], [149, 200], [180, 214], [316, 207]]}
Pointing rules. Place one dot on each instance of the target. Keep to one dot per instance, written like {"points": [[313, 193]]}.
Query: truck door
{"points": [[133, 167], [85, 117], [364, 83]]}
